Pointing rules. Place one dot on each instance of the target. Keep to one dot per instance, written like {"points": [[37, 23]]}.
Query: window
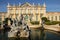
{"points": [[48, 18], [11, 11], [26, 10], [36, 11], [31, 11], [36, 17], [16, 11], [52, 18], [0, 19], [56, 18], [59, 18], [41, 14]]}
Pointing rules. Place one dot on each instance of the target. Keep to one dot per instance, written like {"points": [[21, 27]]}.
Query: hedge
{"points": [[52, 22], [34, 22]]}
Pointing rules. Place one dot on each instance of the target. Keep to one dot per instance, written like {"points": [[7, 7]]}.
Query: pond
{"points": [[35, 34]]}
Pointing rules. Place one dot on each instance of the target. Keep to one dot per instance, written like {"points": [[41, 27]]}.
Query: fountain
{"points": [[21, 30]]}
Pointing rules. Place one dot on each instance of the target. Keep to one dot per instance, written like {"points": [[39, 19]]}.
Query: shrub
{"points": [[45, 19], [49, 23], [52, 22], [34, 22]]}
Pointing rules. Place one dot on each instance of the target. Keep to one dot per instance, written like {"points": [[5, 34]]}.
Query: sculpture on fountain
{"points": [[23, 28]]}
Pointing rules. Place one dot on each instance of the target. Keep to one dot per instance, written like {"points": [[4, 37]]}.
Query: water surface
{"points": [[34, 35]]}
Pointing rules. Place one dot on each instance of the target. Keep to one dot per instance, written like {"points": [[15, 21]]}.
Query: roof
{"points": [[27, 5], [53, 13], [3, 12]]}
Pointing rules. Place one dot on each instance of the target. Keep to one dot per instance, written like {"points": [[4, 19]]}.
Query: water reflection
{"points": [[34, 35], [38, 35], [42, 35], [3, 35]]}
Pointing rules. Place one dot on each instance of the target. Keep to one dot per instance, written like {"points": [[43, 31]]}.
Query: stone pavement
{"points": [[52, 27]]}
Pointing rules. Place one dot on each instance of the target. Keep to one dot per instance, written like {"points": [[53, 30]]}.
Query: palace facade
{"points": [[30, 12]]}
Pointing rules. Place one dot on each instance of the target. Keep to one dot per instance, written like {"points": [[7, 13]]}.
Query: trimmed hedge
{"points": [[48, 22], [34, 22], [52, 23]]}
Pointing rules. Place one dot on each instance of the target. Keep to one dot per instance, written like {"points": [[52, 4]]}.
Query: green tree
{"points": [[45, 19]]}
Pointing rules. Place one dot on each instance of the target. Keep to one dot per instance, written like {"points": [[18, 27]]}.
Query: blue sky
{"points": [[52, 5]]}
